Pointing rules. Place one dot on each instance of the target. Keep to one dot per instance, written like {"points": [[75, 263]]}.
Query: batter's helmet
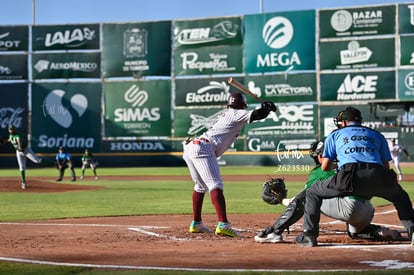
{"points": [[237, 101], [350, 114]]}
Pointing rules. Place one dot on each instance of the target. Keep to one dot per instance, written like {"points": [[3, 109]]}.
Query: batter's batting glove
{"points": [[268, 105]]}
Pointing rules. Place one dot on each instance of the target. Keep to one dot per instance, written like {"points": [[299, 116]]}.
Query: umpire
{"points": [[363, 170], [63, 161]]}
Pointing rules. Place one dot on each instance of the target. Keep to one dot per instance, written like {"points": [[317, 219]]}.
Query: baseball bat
{"points": [[243, 89]]}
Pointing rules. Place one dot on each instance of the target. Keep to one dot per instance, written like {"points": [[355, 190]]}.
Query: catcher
{"points": [[88, 160], [356, 212]]}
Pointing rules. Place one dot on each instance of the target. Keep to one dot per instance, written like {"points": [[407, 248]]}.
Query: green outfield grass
{"points": [[129, 197]]}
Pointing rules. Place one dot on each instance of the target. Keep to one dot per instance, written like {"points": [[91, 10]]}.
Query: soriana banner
{"points": [[279, 41], [138, 108], [137, 49], [66, 37], [373, 20]]}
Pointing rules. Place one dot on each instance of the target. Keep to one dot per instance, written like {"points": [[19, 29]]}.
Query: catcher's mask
{"points": [[350, 114], [316, 150], [237, 101]]}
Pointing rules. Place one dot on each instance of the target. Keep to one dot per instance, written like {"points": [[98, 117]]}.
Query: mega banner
{"points": [[137, 109], [358, 86], [279, 41], [66, 37], [406, 18], [14, 38], [13, 110], [66, 114], [137, 49], [300, 87], [357, 54], [13, 67], [66, 65], [343, 22]]}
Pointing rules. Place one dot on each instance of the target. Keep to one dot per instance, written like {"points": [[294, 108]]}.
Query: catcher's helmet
{"points": [[350, 114], [237, 101], [316, 150]]}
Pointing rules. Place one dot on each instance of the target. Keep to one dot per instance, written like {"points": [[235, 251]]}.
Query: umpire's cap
{"points": [[350, 114]]}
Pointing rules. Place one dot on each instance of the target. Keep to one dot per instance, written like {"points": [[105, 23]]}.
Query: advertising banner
{"points": [[13, 67], [13, 110], [357, 54], [283, 87], [208, 60], [407, 50], [138, 109], [373, 20], [406, 85], [406, 18], [66, 65], [66, 114], [66, 37], [202, 92], [137, 49], [14, 38], [289, 121], [279, 41], [207, 32], [365, 86]]}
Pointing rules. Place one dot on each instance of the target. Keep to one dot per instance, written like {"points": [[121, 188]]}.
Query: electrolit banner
{"points": [[279, 41]]}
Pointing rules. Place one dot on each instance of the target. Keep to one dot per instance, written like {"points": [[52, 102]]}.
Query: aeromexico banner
{"points": [[406, 18], [373, 20], [283, 87], [14, 38], [13, 67], [66, 65], [66, 37], [279, 41], [361, 86], [13, 110], [138, 109], [137, 49], [357, 54], [66, 114]]}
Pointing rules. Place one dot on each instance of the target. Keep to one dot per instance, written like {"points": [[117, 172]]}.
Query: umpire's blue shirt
{"points": [[356, 144]]}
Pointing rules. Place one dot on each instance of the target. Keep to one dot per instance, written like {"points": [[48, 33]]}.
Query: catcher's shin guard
{"points": [[292, 213]]}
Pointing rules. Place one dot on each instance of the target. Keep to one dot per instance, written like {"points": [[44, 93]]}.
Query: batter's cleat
{"points": [[24, 185], [270, 238], [225, 229], [96, 177], [306, 240], [199, 227], [81, 177], [74, 179], [59, 180]]}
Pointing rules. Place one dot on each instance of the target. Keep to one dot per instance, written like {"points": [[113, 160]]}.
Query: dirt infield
{"points": [[163, 242]]}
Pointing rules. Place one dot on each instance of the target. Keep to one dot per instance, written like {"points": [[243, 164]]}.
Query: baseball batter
{"points": [[396, 150], [356, 212], [363, 170], [22, 153], [200, 155]]}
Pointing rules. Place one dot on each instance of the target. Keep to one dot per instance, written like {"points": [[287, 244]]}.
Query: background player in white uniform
{"points": [[22, 152], [201, 155], [396, 150]]}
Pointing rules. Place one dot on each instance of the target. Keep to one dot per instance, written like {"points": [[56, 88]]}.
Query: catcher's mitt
{"points": [[274, 191]]}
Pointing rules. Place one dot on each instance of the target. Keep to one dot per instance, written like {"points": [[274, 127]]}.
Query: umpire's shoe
{"points": [[306, 240]]}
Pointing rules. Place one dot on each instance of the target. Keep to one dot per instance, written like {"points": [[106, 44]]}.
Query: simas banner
{"points": [[279, 41], [13, 110], [137, 49], [283, 87], [406, 18], [357, 54], [14, 38], [136, 109], [66, 114], [66, 37], [13, 67], [66, 65], [373, 20], [365, 86]]}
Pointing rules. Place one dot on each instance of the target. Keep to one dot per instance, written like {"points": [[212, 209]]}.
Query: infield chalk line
{"points": [[150, 233]]}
